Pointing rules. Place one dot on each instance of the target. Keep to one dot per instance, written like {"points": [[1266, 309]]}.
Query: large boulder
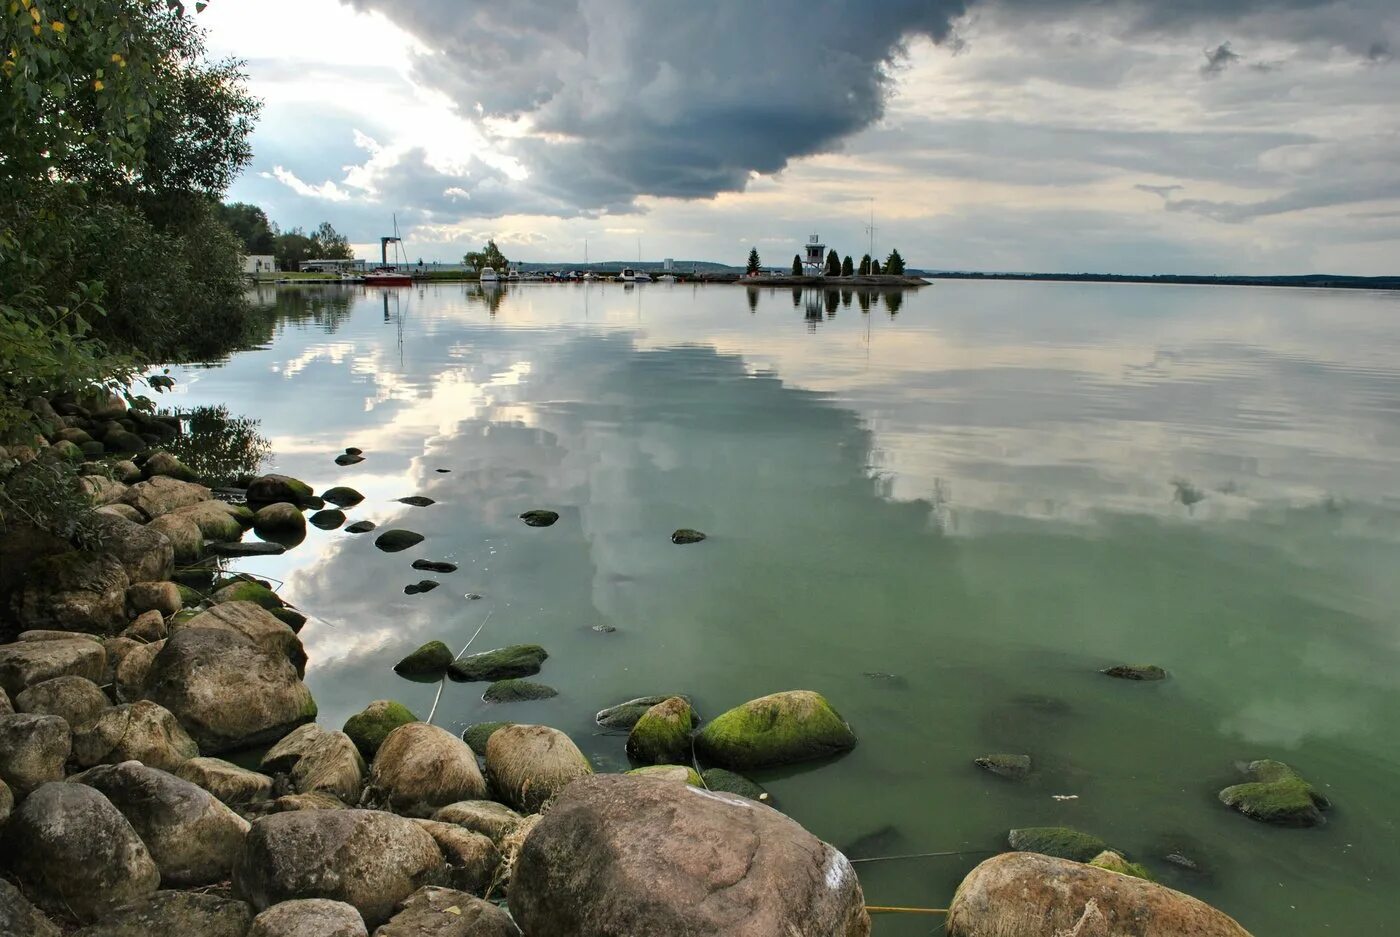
{"points": [[428, 661], [33, 750], [227, 781], [781, 729], [227, 691], [133, 669], [309, 917], [218, 521], [161, 495], [184, 536], [256, 624], [366, 858], [480, 816], [332, 765], [281, 522], [19, 917], [283, 757], [102, 490], [624, 716], [518, 660], [142, 731], [76, 700], [447, 912], [471, 857], [146, 554], [662, 735], [269, 489], [422, 767], [528, 765], [162, 597], [369, 727], [193, 838], [1020, 894], [175, 914], [627, 855], [1276, 794], [7, 803], [74, 852], [77, 591]]}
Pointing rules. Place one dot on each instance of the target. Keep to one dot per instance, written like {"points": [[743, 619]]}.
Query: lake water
{"points": [[945, 510]]}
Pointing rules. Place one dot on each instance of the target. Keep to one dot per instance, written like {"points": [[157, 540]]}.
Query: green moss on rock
{"points": [[476, 736], [781, 729], [662, 735], [1276, 794], [1058, 841], [290, 617], [678, 773], [189, 598], [720, 779], [430, 660], [370, 726], [518, 660], [516, 691], [624, 716], [244, 591], [1145, 672], [1114, 862]]}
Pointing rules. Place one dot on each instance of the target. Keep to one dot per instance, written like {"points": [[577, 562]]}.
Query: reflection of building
{"points": [[816, 255]]}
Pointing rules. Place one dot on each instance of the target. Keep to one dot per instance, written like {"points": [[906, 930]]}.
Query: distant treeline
{"points": [[1312, 280]]}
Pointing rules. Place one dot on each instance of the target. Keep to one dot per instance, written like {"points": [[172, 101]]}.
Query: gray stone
{"points": [[75, 591], [76, 700], [147, 628], [133, 669], [269, 489], [142, 731], [471, 857], [229, 783], [19, 918], [309, 917], [331, 764], [163, 597], [75, 852], [184, 535], [528, 765], [420, 768], [218, 521], [33, 749], [281, 521], [283, 757], [254, 623], [627, 855], [175, 914], [161, 495], [146, 554], [480, 816], [163, 463], [446, 912]]}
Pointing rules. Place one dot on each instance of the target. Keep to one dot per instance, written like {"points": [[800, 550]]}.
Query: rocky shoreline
{"points": [[130, 667]]}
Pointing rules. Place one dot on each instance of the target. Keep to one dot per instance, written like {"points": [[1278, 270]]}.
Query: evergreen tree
{"points": [[847, 268], [874, 268], [894, 263], [833, 264], [865, 265], [753, 261], [797, 265]]}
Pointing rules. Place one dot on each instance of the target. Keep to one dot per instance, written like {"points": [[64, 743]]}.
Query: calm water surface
{"points": [[945, 511]]}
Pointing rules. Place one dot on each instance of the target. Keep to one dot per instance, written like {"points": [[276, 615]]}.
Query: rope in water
{"points": [[443, 681], [887, 909]]}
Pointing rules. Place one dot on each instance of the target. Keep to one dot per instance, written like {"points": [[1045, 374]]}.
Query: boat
{"points": [[643, 277], [628, 275], [488, 275], [665, 278], [513, 276], [387, 276]]}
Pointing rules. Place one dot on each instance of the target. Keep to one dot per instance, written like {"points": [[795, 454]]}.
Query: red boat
{"points": [[387, 276]]}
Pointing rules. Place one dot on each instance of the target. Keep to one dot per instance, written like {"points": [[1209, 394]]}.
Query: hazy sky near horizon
{"points": [[1211, 136]]}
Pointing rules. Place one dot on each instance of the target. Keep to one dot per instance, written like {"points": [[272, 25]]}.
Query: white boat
{"points": [[665, 278], [628, 275], [643, 276], [513, 276], [488, 275]]}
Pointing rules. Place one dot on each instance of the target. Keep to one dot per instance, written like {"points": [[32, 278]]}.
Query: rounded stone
{"points": [[781, 729], [369, 727], [420, 768], [528, 764], [309, 917], [33, 749]]}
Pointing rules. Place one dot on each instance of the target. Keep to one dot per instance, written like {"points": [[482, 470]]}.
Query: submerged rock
{"points": [[1015, 767], [686, 535], [1132, 672], [269, 489], [539, 518], [518, 660], [420, 768], [75, 853], [527, 765], [1058, 841], [417, 501], [784, 728], [369, 727], [361, 527], [517, 691], [1024, 895], [1276, 794], [421, 586], [662, 735], [349, 458], [429, 660], [625, 855], [719, 779], [1114, 862], [369, 859], [434, 566], [392, 541], [329, 519], [624, 716], [342, 496]]}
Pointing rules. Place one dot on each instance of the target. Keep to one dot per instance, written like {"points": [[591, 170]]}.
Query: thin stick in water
{"points": [[441, 682]]}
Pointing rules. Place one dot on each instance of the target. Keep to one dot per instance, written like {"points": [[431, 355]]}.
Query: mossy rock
{"points": [[430, 660], [392, 541], [1143, 672], [68, 451], [679, 773], [781, 729], [361, 527], [624, 716], [268, 489], [662, 735], [1014, 767], [477, 735], [518, 660], [329, 519], [1114, 862], [241, 513], [370, 726], [539, 518], [1058, 841], [189, 598], [1276, 794], [686, 535], [342, 496], [720, 779], [244, 591], [184, 615], [290, 617], [517, 691]]}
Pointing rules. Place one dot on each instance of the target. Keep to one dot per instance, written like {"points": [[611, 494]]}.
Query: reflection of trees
{"points": [[796, 297], [753, 298], [489, 296], [327, 307], [845, 299], [863, 297], [833, 303], [893, 300], [219, 447]]}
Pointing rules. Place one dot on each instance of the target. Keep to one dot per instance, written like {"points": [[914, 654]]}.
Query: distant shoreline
{"points": [[1305, 281]]}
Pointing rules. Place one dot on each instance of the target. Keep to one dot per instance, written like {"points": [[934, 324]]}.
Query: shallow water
{"points": [[944, 510]]}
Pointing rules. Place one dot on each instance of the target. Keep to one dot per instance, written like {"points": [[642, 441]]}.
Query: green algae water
{"points": [[946, 510]]}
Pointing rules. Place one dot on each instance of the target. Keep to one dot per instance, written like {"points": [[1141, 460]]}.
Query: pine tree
{"points": [[874, 268], [894, 263], [833, 264], [847, 268], [797, 265], [865, 265], [753, 261]]}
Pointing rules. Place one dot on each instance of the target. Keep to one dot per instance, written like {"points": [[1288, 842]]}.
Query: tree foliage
{"points": [[865, 265], [848, 268], [250, 225], [489, 256], [894, 264], [797, 265], [330, 243], [833, 264], [754, 264], [874, 268]]}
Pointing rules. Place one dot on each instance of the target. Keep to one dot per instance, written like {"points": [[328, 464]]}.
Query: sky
{"points": [[1119, 136]]}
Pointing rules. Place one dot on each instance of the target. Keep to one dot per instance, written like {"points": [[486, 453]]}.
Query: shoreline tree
{"points": [[865, 265], [753, 268], [894, 264], [489, 256], [833, 264], [797, 265], [874, 267], [847, 267]]}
